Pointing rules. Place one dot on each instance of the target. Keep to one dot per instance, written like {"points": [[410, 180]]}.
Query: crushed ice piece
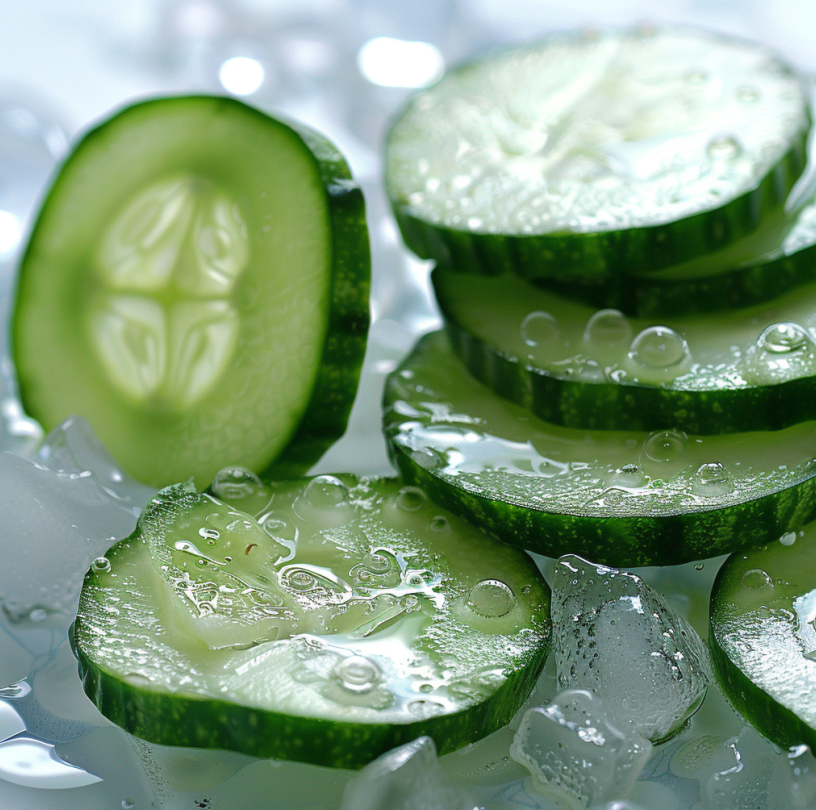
{"points": [[407, 778], [33, 763], [56, 516], [578, 752], [616, 637], [755, 776]]}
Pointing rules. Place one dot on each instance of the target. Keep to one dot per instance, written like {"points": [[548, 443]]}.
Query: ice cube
{"points": [[577, 752], [57, 515], [616, 637], [407, 778], [755, 776]]}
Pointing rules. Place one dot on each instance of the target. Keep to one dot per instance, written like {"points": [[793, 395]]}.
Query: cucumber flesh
{"points": [[338, 618], [763, 608], [190, 251], [598, 156], [619, 497], [740, 370]]}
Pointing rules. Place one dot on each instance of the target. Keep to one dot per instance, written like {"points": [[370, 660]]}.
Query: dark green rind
{"points": [[776, 722], [668, 539], [348, 317], [168, 719], [626, 406], [602, 257]]}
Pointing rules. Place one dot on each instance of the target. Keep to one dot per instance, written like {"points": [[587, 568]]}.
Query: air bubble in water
{"points": [[538, 328], [723, 147], [712, 480], [411, 498], [439, 523], [659, 347], [491, 598], [756, 578], [101, 565], [235, 484], [358, 674], [325, 491], [607, 328], [665, 446]]}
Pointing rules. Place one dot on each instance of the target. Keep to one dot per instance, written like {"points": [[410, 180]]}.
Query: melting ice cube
{"points": [[577, 752], [407, 778], [57, 515], [617, 638], [754, 776]]}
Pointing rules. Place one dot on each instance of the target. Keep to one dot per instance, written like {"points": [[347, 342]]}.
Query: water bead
{"points": [[788, 539], [784, 338], [439, 523], [235, 483], [538, 328], [606, 328], [491, 598], [756, 578], [712, 480], [325, 491], [411, 498], [629, 476], [723, 147], [302, 580], [358, 674], [664, 446], [659, 347], [101, 565]]}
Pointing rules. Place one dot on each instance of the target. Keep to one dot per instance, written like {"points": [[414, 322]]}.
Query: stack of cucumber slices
{"points": [[624, 234]]}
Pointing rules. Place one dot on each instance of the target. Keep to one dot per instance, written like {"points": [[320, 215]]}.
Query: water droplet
{"points": [[325, 491], [426, 687], [629, 476], [439, 523], [302, 580], [783, 338], [699, 566], [723, 147], [411, 498], [378, 563], [526, 589], [712, 480], [101, 565], [748, 93], [664, 446], [235, 484], [128, 803], [491, 598], [425, 708], [788, 539], [428, 458], [410, 602], [756, 578], [659, 347], [358, 674], [538, 328], [210, 535], [16, 690], [607, 328]]}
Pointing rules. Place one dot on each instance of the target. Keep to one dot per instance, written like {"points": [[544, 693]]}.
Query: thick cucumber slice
{"points": [[597, 156], [730, 280], [735, 371], [623, 498], [196, 285], [763, 642], [346, 617]]}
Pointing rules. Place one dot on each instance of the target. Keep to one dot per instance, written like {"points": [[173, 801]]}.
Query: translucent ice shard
{"points": [[57, 515], [616, 637], [407, 778], [578, 752], [755, 776]]}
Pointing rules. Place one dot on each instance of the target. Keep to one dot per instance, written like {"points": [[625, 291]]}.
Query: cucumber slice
{"points": [[735, 371], [731, 281], [196, 286], [347, 617], [763, 642], [622, 498], [597, 156]]}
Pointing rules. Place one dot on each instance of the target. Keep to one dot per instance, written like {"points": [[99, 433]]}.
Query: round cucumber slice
{"points": [[337, 618], [196, 286], [600, 155], [740, 370], [763, 642], [623, 498]]}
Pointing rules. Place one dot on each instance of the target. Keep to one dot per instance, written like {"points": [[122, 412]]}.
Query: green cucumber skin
{"points": [[621, 406], [771, 718], [602, 256], [646, 297], [167, 719], [622, 541], [335, 386]]}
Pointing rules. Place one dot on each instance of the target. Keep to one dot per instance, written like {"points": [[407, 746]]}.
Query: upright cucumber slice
{"points": [[196, 285], [597, 156], [346, 617], [623, 498], [763, 642], [740, 370]]}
